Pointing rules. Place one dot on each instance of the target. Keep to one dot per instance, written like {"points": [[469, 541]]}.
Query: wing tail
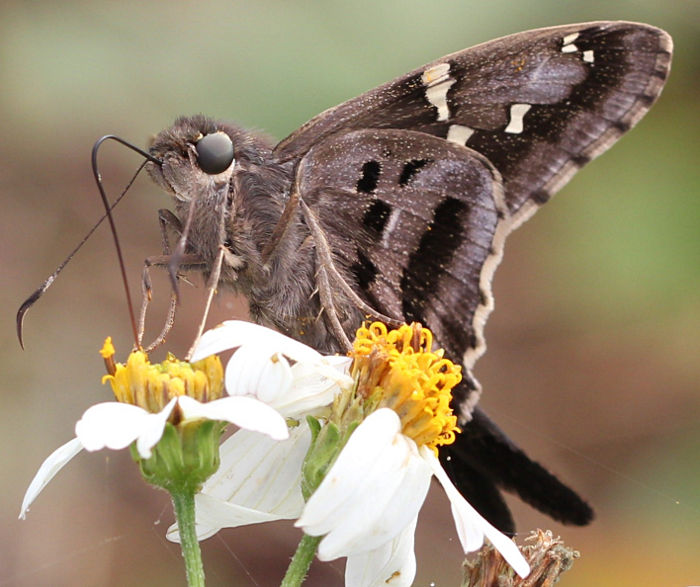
{"points": [[483, 459]]}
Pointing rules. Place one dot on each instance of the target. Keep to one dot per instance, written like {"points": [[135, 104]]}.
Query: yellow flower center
{"points": [[399, 370], [153, 386]]}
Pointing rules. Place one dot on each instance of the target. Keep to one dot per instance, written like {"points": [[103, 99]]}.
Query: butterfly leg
{"points": [[167, 221], [328, 309], [329, 275], [213, 281], [211, 289]]}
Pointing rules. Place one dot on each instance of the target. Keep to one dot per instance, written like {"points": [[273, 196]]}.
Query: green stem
{"points": [[183, 502], [296, 573]]}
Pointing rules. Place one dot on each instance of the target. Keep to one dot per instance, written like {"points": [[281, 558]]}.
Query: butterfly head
{"points": [[199, 156], [197, 159], [228, 195]]}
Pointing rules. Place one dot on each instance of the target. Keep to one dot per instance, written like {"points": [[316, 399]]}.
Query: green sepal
{"points": [[185, 456], [326, 443], [324, 446], [314, 426]]}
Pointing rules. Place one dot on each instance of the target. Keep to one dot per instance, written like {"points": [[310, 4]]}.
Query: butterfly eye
{"points": [[214, 153]]}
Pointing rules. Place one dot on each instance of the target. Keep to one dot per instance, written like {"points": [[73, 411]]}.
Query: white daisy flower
{"points": [[367, 505], [264, 390], [259, 478]]}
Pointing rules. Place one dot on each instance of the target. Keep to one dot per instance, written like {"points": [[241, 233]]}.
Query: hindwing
{"points": [[411, 220]]}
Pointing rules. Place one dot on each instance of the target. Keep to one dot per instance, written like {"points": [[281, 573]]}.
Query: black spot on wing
{"points": [[540, 197], [622, 126], [370, 176], [364, 271], [647, 100], [430, 260], [376, 216], [410, 170]]}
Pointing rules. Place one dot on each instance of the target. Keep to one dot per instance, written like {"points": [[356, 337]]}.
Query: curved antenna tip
{"points": [[28, 303]]}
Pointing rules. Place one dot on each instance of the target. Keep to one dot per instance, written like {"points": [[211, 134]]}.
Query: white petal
{"points": [[347, 474], [244, 412], [212, 514], [259, 480], [393, 564], [112, 424], [235, 333], [250, 462], [152, 430], [314, 386], [259, 368], [379, 501], [116, 425], [404, 504], [52, 465], [471, 526], [390, 497], [256, 371]]}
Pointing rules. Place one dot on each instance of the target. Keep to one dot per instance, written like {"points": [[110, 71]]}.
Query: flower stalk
{"points": [[184, 458], [301, 561], [183, 504]]}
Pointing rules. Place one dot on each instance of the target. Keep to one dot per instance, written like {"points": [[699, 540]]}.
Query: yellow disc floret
{"points": [[399, 370], [153, 386]]}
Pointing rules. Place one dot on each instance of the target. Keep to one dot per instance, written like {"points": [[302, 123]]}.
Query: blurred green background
{"points": [[593, 358]]}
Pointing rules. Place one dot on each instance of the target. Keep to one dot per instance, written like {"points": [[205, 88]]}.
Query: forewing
{"points": [[411, 221], [538, 104]]}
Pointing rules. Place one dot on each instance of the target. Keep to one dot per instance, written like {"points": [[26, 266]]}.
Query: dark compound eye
{"points": [[214, 153]]}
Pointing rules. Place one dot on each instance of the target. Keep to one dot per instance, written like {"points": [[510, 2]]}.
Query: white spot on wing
{"points": [[459, 134], [390, 226], [568, 43], [517, 112], [588, 56], [437, 81], [436, 74]]}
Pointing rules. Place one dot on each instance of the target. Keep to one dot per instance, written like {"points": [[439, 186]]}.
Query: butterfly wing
{"points": [[536, 106], [410, 220]]}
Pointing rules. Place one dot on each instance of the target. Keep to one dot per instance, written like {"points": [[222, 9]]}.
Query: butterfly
{"points": [[395, 205]]}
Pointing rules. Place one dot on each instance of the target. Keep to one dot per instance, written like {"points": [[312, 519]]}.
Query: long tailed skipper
{"points": [[396, 205]]}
